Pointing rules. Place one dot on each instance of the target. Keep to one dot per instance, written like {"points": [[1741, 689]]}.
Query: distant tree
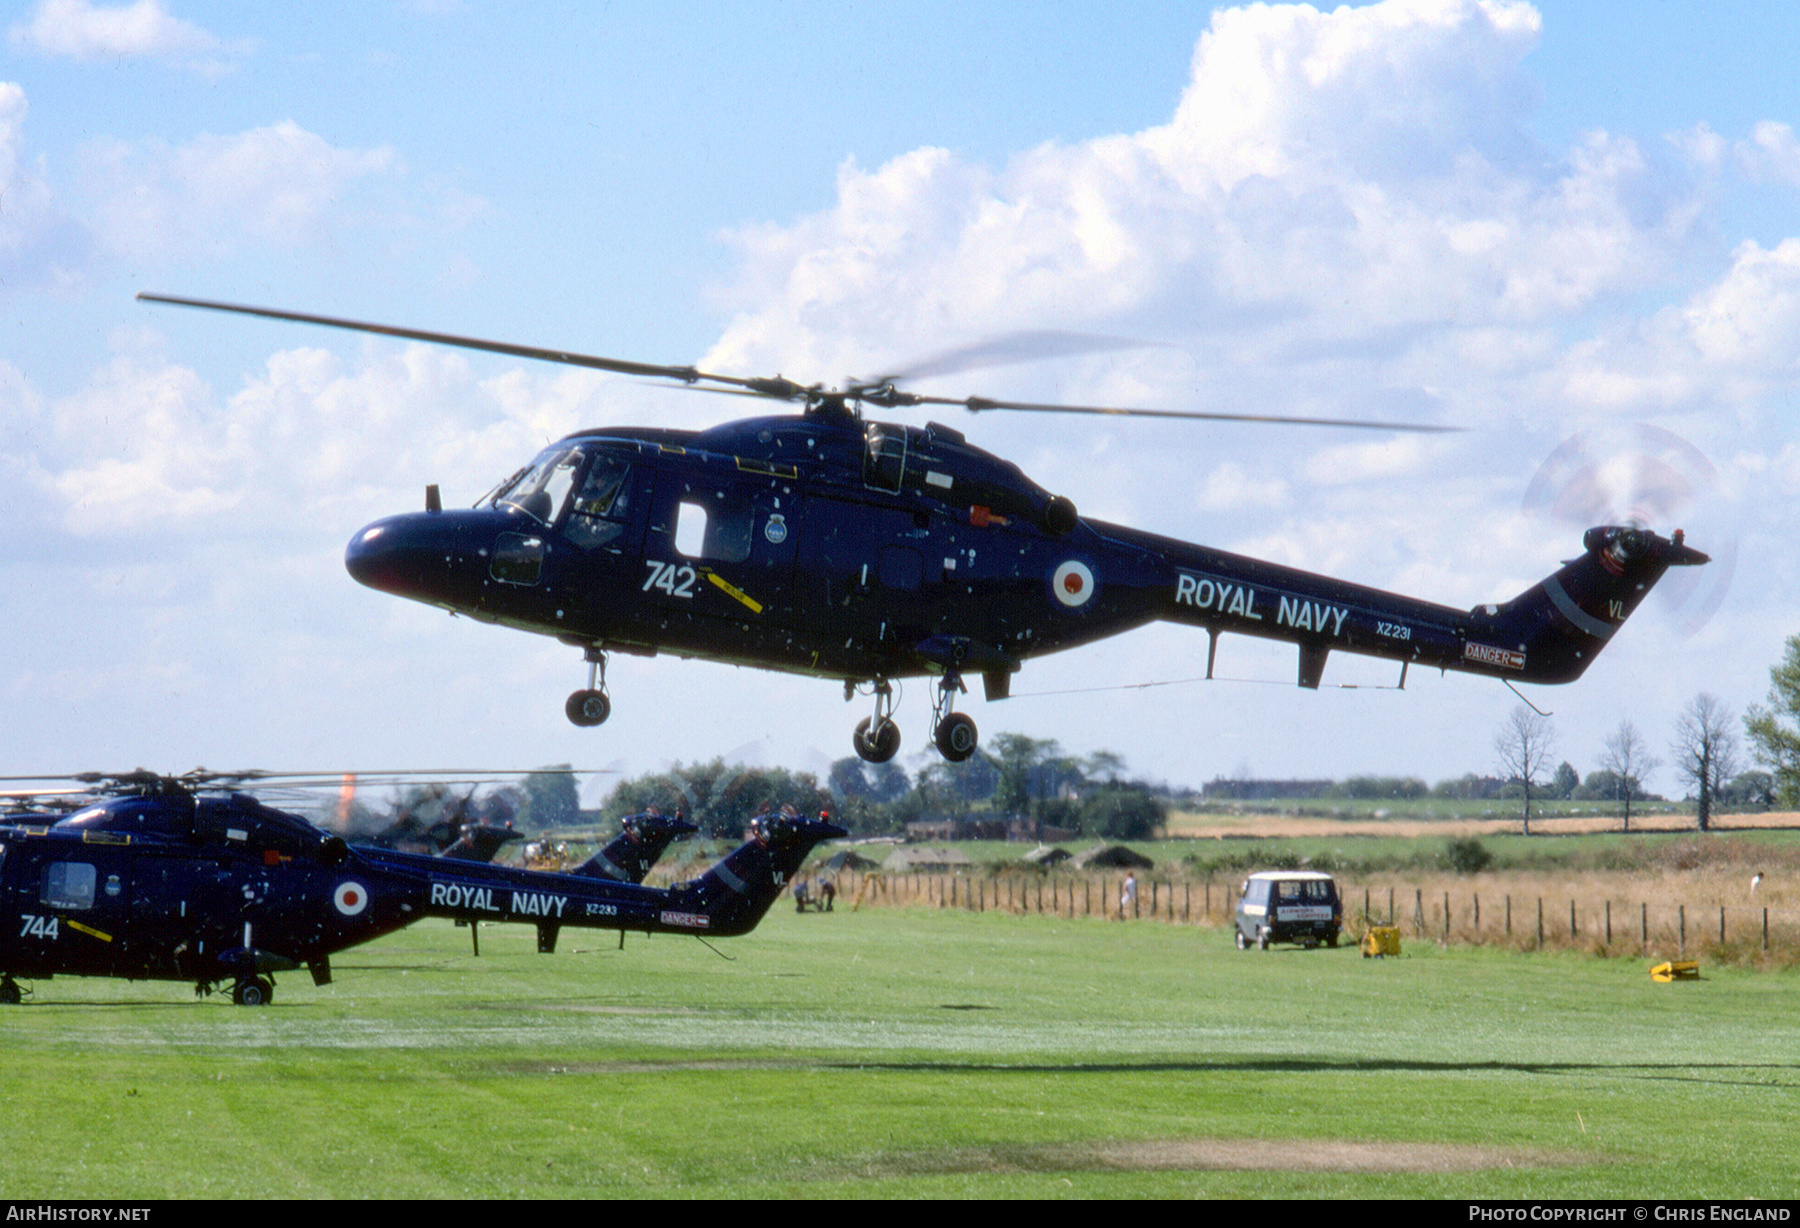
{"points": [[1774, 732], [720, 797], [551, 799], [1565, 782], [1469, 856], [1752, 790], [1705, 752], [1525, 744], [879, 784], [1018, 759], [1629, 760], [1122, 812]]}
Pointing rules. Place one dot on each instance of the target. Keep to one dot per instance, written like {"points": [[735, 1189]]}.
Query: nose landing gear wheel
{"points": [[956, 737], [879, 744], [588, 708], [1243, 942], [253, 991]]}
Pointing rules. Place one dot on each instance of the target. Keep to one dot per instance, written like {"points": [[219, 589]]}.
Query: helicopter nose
{"points": [[418, 555]]}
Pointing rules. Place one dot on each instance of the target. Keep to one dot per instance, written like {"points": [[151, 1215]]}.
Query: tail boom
{"points": [[1548, 634]]}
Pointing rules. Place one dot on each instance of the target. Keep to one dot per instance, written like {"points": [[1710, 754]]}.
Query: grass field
{"points": [[912, 1052]]}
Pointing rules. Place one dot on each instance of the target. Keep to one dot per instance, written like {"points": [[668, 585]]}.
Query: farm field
{"points": [[912, 1052]]}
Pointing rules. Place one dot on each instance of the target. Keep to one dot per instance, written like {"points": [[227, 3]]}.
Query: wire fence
{"points": [[1460, 915]]}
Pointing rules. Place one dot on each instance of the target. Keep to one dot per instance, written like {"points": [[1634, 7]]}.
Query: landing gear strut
{"points": [[955, 731], [591, 707], [877, 738]]}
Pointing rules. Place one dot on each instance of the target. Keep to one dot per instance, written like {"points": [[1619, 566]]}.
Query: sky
{"points": [[1568, 229]]}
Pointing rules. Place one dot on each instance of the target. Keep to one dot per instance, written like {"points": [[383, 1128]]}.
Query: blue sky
{"points": [[1527, 221]]}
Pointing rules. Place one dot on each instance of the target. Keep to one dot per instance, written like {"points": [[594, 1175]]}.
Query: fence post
{"points": [[1765, 929], [1609, 923], [1683, 948], [1721, 925], [1365, 908], [1644, 923], [1540, 923], [1390, 905], [1446, 920], [1572, 929], [1509, 915], [1477, 897]]}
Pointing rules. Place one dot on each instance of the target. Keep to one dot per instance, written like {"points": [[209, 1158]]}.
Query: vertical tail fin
{"points": [[1553, 630], [741, 887], [642, 839]]}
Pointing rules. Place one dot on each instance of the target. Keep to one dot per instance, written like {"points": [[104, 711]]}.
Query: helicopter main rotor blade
{"points": [[686, 375], [1015, 348], [976, 405], [1031, 346]]}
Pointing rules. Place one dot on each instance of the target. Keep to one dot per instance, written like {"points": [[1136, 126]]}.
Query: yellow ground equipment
{"points": [[1676, 970], [1381, 940]]}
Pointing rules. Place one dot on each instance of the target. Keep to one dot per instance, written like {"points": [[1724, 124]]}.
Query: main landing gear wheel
{"points": [[591, 707], [877, 745], [588, 708], [1262, 939], [253, 991], [1243, 942], [956, 737], [9, 992]]}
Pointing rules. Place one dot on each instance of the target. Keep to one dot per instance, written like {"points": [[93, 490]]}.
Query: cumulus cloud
{"points": [[1325, 176], [83, 31], [1731, 342], [278, 184], [147, 448], [39, 244]]}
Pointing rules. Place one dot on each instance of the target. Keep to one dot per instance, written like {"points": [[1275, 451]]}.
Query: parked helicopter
{"points": [[165, 880], [822, 543]]}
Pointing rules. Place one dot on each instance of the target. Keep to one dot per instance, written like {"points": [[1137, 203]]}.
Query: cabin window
{"points": [[715, 524], [68, 884]]}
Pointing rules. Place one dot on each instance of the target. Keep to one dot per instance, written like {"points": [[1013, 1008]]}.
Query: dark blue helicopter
{"points": [[164, 881], [823, 543]]}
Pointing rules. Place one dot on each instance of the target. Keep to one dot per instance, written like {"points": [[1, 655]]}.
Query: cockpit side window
{"points": [[884, 456], [603, 505]]}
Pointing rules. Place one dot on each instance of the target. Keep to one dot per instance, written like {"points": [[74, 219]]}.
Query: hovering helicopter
{"points": [[166, 880], [827, 544]]}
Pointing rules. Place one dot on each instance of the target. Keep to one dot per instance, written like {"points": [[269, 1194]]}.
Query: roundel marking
{"points": [[350, 898], [1073, 584]]}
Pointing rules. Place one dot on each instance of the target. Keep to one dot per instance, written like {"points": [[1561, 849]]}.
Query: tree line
{"points": [[1704, 749]]}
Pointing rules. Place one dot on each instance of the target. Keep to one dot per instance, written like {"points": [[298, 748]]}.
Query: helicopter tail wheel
{"points": [[588, 708], [253, 991], [956, 737], [877, 743]]}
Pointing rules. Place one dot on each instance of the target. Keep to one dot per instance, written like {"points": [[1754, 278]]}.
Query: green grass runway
{"points": [[911, 1053]]}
